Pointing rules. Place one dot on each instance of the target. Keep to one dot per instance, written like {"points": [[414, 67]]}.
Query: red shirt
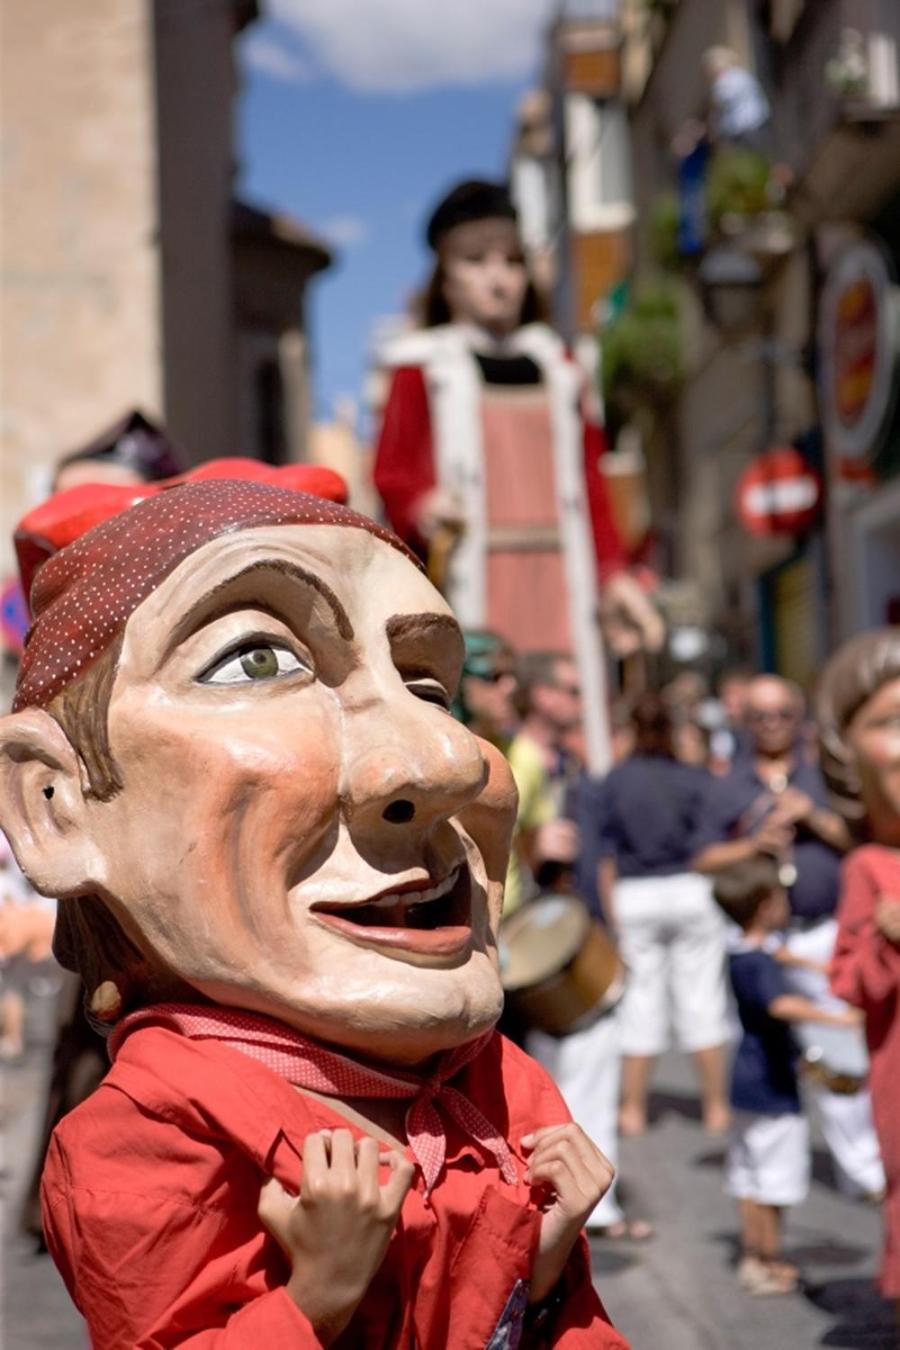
{"points": [[865, 971], [150, 1195]]}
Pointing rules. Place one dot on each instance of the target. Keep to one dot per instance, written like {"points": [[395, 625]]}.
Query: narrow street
{"points": [[678, 1292], [675, 1292]]}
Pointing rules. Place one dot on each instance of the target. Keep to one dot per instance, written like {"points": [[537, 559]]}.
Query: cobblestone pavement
{"points": [[676, 1292]]}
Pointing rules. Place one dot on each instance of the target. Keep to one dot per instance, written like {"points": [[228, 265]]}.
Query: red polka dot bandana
{"points": [[83, 595], [309, 1064]]}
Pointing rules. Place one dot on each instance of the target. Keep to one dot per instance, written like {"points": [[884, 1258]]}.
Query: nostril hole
{"points": [[399, 813]]}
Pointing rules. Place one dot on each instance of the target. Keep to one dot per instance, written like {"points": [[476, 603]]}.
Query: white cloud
{"points": [[270, 57], [345, 231], [401, 46]]}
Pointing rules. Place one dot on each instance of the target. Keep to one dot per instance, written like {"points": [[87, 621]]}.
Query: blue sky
{"points": [[357, 138]]}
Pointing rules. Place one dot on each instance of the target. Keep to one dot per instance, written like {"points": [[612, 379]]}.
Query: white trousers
{"points": [[672, 939], [586, 1068], [845, 1120], [768, 1159]]}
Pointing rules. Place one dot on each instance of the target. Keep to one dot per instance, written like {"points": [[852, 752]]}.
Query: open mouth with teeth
{"points": [[434, 920]]}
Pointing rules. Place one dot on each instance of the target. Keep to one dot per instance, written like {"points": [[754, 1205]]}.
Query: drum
{"points": [[558, 967], [834, 1056]]}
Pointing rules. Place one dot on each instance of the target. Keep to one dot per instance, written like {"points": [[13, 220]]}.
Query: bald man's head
{"points": [[775, 708]]}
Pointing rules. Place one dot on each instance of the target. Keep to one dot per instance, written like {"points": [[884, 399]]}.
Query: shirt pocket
{"points": [[490, 1273]]}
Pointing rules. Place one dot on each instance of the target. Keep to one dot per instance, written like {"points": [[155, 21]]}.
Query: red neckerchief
{"points": [[309, 1064]]}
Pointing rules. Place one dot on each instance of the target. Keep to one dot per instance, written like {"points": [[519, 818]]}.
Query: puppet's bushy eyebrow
{"points": [[411, 626], [280, 566], [427, 645]]}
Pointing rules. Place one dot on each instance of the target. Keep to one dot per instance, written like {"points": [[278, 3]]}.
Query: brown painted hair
{"points": [[857, 670], [88, 938]]}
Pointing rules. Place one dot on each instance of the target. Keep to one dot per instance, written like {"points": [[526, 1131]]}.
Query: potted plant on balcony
{"points": [[641, 361], [744, 192]]}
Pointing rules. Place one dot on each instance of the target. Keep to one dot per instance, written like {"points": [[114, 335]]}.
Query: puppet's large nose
{"points": [[423, 768]]}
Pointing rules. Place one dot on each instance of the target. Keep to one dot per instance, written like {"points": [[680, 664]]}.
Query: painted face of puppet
{"points": [[484, 274], [303, 829], [874, 738]]}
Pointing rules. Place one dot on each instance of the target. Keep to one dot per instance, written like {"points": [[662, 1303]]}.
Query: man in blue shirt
{"points": [[773, 803]]}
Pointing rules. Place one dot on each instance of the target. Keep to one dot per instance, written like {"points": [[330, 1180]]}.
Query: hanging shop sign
{"points": [[778, 493], [857, 338]]}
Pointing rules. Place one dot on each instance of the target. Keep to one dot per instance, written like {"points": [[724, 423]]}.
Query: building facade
{"points": [[781, 184], [131, 277]]}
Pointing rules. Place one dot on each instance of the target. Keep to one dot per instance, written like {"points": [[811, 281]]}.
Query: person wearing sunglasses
{"points": [[774, 802]]}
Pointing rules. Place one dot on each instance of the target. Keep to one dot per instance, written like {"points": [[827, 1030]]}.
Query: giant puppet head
{"points": [[858, 712], [231, 757], [480, 275]]}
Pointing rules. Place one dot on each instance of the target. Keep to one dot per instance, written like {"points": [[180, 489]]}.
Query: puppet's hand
{"points": [[439, 508], [335, 1234], [564, 1161], [630, 620]]}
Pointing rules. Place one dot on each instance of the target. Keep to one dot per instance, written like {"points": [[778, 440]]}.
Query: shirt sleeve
{"points": [[273, 1319], [149, 1274], [404, 454], [767, 982], [536, 805], [715, 817], [575, 1318], [606, 836], [865, 969], [608, 546]]}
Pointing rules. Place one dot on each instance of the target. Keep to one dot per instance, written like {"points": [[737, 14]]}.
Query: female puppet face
{"points": [[485, 278], [874, 737], [303, 829]]}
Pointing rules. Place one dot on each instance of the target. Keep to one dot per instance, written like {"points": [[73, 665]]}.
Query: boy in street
{"points": [[767, 1167]]}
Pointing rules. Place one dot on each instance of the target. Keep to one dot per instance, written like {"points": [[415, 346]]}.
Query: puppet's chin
{"points": [[402, 1022]]}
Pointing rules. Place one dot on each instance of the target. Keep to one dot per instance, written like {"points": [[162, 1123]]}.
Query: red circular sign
{"points": [[778, 493]]}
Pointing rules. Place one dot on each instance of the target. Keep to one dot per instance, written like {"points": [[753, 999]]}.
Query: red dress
{"points": [[866, 972], [151, 1189]]}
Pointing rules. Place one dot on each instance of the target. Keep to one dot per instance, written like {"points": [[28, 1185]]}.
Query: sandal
{"points": [[750, 1271], [776, 1278]]}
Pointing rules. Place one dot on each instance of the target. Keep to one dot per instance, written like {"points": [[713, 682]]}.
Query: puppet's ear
{"points": [[43, 809]]}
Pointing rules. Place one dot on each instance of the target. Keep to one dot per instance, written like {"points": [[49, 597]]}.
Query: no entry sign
{"points": [[778, 493]]}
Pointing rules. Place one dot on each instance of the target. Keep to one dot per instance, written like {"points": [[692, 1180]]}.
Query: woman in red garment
{"points": [[859, 715], [280, 865], [489, 439]]}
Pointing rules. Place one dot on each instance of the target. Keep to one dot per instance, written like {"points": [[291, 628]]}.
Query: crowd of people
{"points": [[712, 854]]}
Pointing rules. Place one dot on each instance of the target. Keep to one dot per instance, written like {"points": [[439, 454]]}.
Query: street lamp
{"points": [[731, 284], [731, 287]]}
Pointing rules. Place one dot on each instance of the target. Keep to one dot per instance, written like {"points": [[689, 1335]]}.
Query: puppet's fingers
{"points": [[395, 1189], [368, 1154], [316, 1150], [275, 1209], [343, 1159], [573, 1139], [531, 1141], [578, 1185]]}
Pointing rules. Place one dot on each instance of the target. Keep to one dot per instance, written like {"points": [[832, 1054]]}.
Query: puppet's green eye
{"points": [[260, 664], [254, 662]]}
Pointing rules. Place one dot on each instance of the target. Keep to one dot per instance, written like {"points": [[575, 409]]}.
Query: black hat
{"points": [[135, 442], [471, 200]]}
